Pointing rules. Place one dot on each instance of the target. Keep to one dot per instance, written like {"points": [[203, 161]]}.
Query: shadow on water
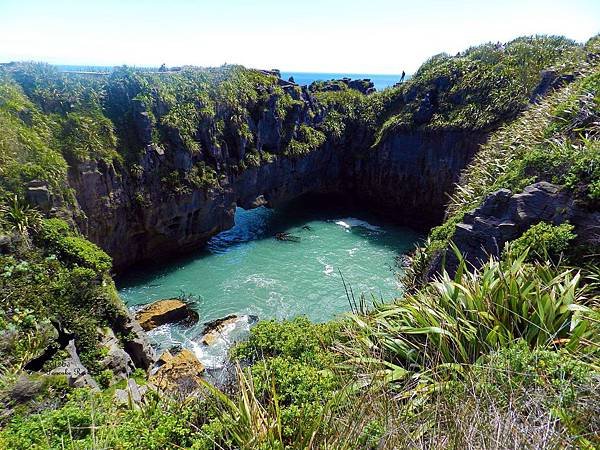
{"points": [[263, 223]]}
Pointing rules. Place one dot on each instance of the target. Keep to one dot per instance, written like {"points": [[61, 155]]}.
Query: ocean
{"points": [[380, 81]]}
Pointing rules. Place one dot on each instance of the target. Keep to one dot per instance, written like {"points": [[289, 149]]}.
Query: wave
{"points": [[351, 222]]}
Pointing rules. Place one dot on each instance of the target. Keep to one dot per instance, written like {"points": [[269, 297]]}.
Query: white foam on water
{"points": [[260, 281], [328, 269], [214, 356], [350, 222]]}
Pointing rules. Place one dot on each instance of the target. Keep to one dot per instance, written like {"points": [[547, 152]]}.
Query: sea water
{"points": [[336, 252]]}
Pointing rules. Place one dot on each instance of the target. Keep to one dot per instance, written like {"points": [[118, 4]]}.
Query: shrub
{"points": [[57, 237], [458, 320], [307, 139], [298, 338], [544, 240]]}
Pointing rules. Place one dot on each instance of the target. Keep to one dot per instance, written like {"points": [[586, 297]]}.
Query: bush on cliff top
{"points": [[480, 87], [554, 141]]}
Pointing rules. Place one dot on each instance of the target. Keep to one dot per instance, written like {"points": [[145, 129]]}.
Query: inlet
{"points": [[278, 264]]}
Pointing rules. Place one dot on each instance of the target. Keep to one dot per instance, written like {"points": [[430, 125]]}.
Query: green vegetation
{"points": [[544, 241], [501, 356], [480, 87], [556, 142], [307, 139]]}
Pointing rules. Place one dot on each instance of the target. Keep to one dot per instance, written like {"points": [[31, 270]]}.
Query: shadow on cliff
{"points": [[264, 223]]}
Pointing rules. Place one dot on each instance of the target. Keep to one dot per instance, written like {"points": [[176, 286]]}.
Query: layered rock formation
{"points": [[411, 174], [408, 172], [505, 216], [165, 311], [194, 145]]}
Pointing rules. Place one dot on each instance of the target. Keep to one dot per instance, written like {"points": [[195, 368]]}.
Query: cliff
{"points": [[193, 145]]}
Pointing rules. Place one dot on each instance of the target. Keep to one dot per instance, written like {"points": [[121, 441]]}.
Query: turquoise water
{"points": [[245, 270]]}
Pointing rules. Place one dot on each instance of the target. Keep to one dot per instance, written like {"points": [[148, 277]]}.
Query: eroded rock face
{"points": [[136, 343], [179, 373], [116, 359], [505, 216], [76, 373], [165, 311], [134, 217], [410, 175]]}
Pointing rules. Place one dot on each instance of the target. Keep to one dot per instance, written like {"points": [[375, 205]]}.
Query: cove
{"points": [[246, 270]]}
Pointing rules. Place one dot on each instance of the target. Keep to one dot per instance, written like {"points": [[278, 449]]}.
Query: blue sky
{"points": [[353, 36]]}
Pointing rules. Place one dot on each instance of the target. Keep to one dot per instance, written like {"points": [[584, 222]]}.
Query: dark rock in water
{"points": [[215, 329], [218, 323], [286, 237], [175, 349], [504, 216], [165, 311]]}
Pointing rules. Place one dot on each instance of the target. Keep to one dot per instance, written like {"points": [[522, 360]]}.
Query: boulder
{"points": [[178, 373], [76, 373], [165, 311], [116, 359]]}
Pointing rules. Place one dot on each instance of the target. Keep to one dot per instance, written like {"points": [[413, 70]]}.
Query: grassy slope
{"points": [[464, 362]]}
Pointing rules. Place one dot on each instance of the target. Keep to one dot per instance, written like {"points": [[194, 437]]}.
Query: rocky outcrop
{"points": [[165, 311], [364, 86], [76, 373], [135, 215], [178, 373], [175, 224], [116, 359], [135, 342], [132, 395], [213, 329], [505, 216]]}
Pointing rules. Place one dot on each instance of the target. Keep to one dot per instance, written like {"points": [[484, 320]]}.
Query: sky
{"points": [[340, 36]]}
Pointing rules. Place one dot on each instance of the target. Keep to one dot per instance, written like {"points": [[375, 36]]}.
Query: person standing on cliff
{"points": [[402, 77]]}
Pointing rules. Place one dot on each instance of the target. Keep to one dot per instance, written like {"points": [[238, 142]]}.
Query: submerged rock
{"points": [[179, 373], [165, 311]]}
